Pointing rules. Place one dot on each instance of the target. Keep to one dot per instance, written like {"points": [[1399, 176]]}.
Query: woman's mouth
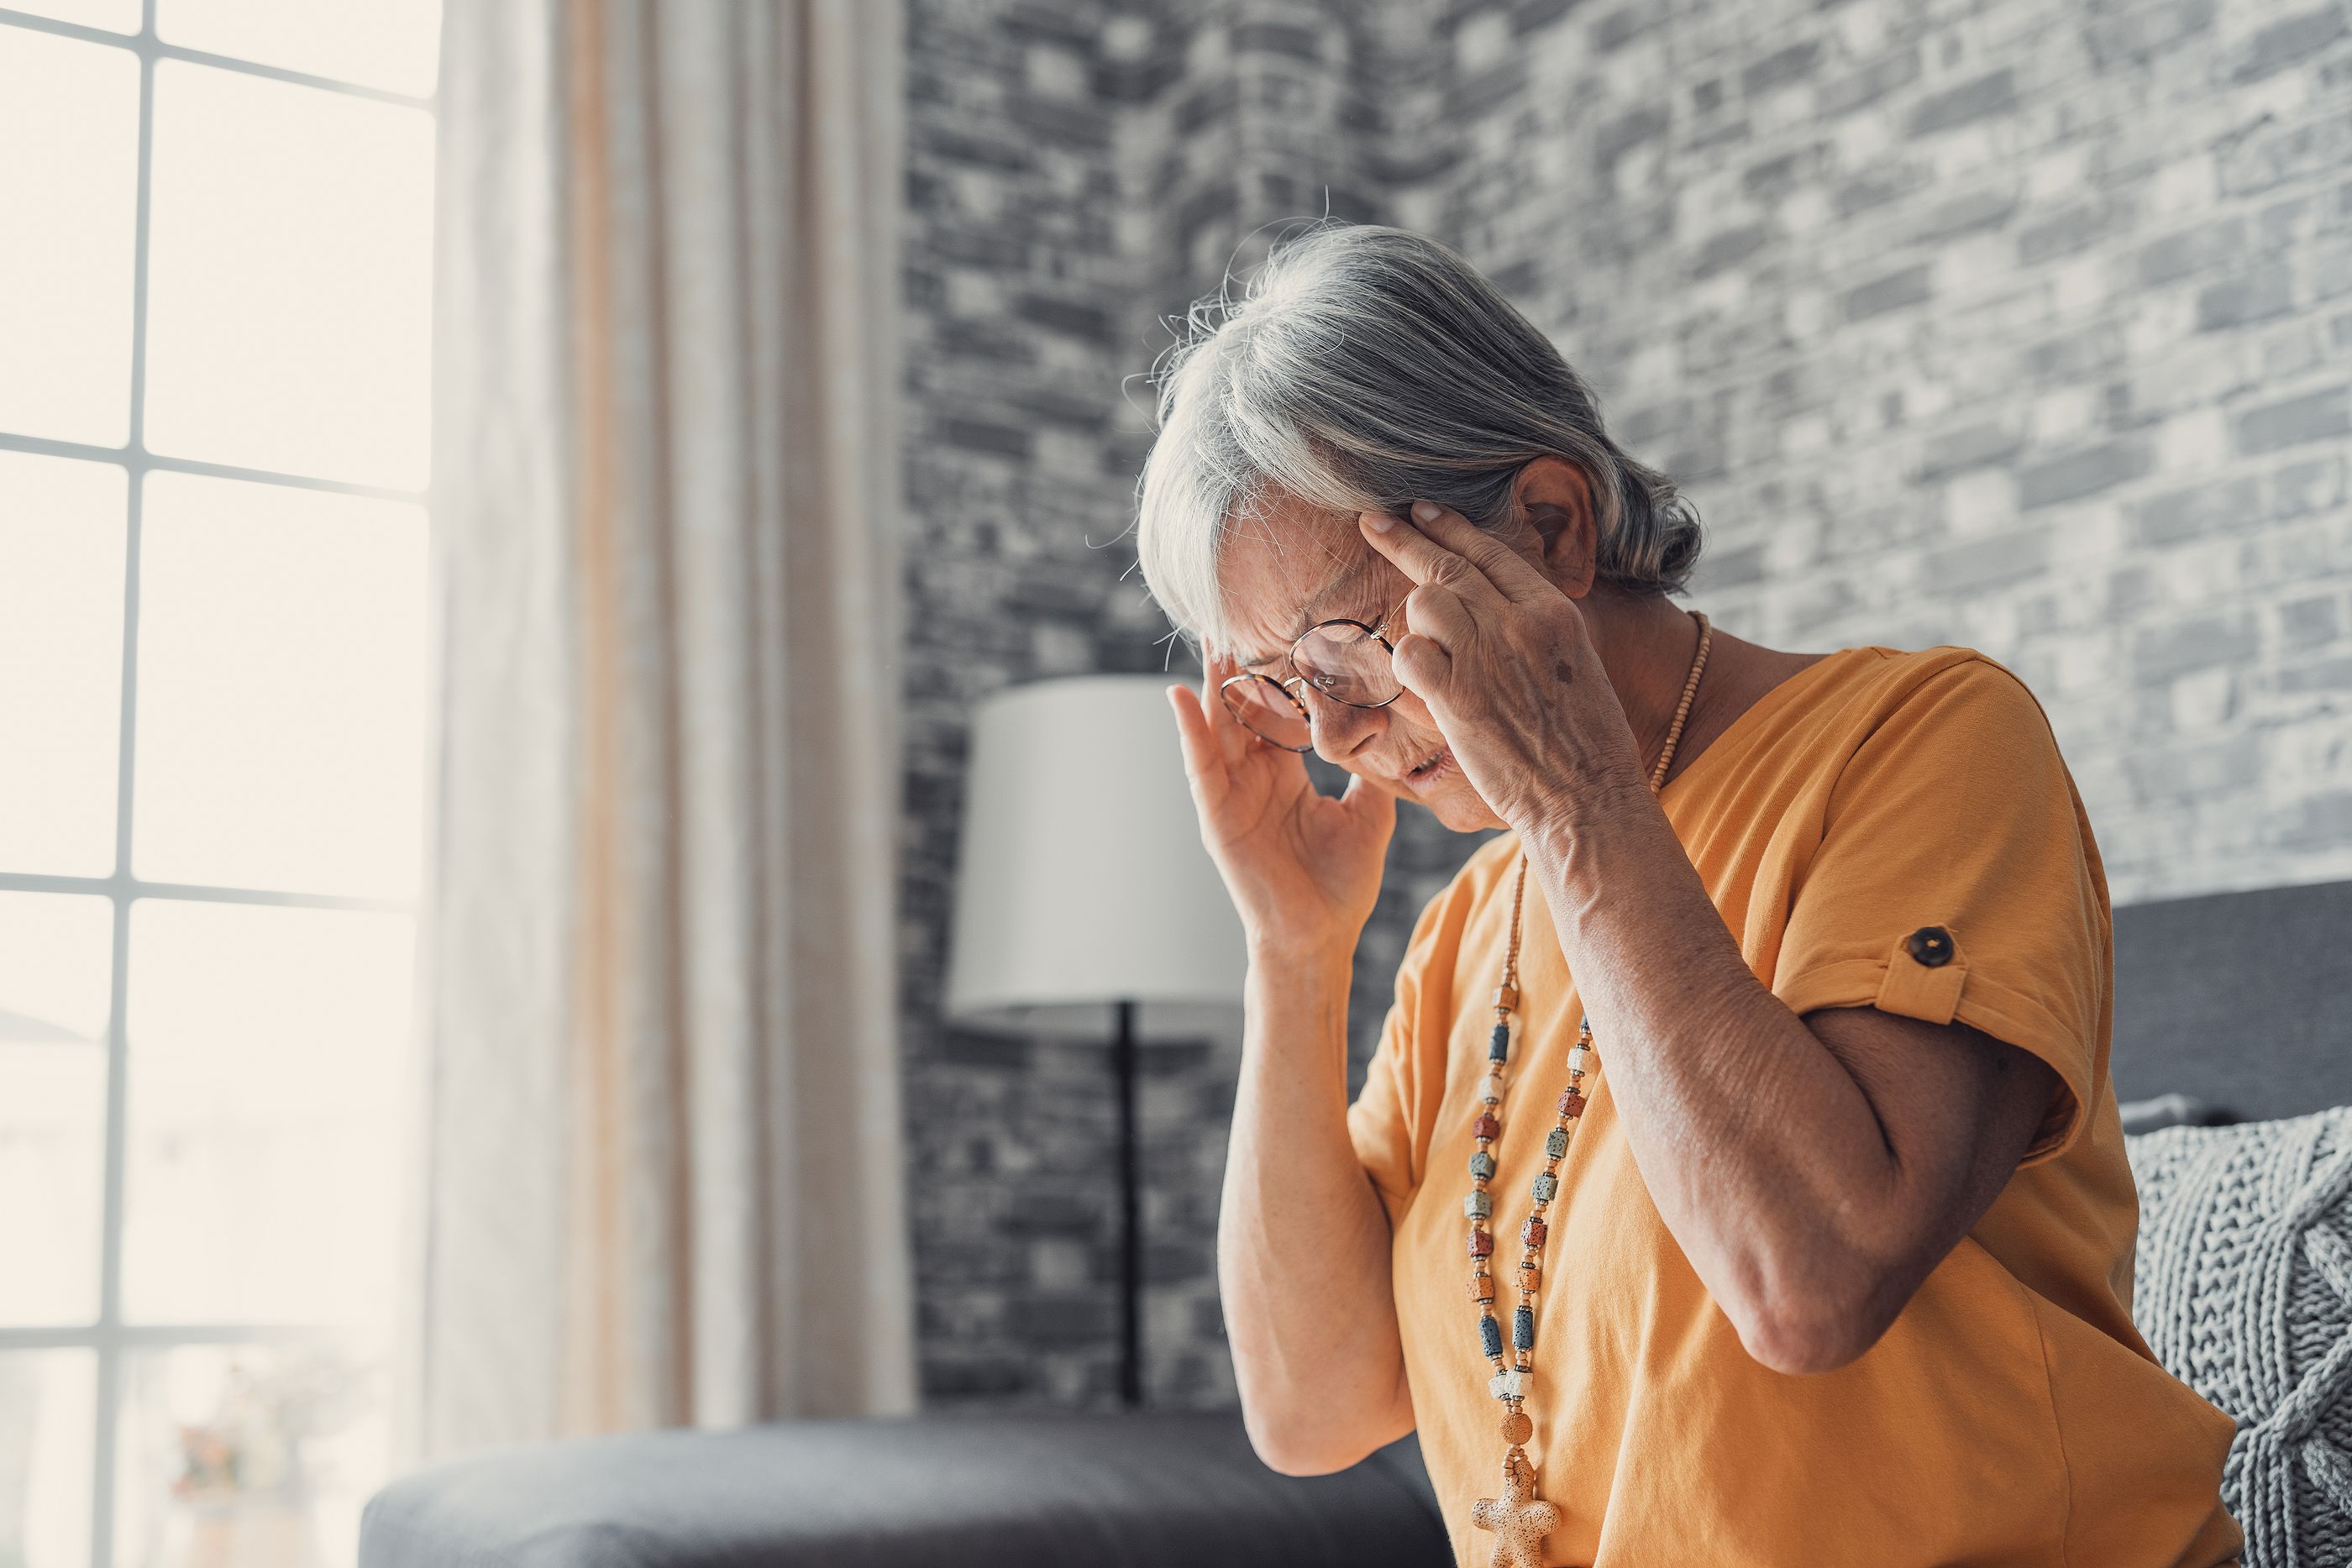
{"points": [[1436, 766]]}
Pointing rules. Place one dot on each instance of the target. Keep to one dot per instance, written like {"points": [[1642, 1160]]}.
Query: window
{"points": [[216, 225]]}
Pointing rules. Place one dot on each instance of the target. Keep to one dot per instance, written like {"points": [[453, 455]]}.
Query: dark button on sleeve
{"points": [[1932, 945]]}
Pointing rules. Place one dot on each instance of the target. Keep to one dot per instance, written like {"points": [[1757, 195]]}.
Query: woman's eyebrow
{"points": [[1318, 609]]}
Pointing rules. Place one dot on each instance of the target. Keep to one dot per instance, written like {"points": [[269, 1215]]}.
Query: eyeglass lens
{"points": [[1342, 662], [1266, 709], [1346, 664]]}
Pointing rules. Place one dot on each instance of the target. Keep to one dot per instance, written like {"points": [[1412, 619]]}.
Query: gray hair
{"points": [[1365, 368]]}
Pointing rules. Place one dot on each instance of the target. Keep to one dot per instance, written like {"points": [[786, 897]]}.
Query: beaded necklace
{"points": [[1520, 1518]]}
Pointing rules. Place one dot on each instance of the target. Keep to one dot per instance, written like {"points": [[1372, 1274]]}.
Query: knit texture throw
{"points": [[2244, 1292]]}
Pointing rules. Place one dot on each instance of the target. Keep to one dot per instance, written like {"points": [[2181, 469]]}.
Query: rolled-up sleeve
{"points": [[1956, 879]]}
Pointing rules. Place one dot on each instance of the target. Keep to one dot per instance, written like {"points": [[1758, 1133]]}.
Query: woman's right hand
{"points": [[1303, 867]]}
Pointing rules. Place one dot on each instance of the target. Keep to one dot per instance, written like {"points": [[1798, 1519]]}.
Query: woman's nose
{"points": [[1339, 729]]}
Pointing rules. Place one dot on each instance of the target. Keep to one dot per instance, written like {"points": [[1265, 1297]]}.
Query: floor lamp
{"points": [[1086, 906]]}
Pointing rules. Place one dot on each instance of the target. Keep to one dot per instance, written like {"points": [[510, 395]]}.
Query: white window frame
{"points": [[109, 1335]]}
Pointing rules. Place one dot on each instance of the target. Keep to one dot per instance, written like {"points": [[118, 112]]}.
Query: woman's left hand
{"points": [[1505, 664]]}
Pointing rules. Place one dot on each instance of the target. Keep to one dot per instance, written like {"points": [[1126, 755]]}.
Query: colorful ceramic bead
{"points": [[1485, 1126], [1517, 1429], [1478, 1205], [1510, 1385], [1523, 1329], [1547, 1187], [1490, 1334], [1491, 1090], [1482, 1243], [1572, 1104], [1498, 1043], [1482, 1164], [1482, 1288], [1533, 1231], [1556, 1143]]}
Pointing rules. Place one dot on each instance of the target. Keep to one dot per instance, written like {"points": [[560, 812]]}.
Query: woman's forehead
{"points": [[1277, 580]]}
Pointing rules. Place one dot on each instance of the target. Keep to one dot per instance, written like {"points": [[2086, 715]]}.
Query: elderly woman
{"points": [[1737, 1179]]}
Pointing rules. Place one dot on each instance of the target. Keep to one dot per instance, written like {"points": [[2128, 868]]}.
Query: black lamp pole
{"points": [[1131, 1227]]}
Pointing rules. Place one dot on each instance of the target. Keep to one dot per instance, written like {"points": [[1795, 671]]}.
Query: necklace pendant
{"points": [[1519, 1519]]}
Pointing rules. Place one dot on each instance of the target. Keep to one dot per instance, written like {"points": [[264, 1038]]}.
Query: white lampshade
{"points": [[1084, 881]]}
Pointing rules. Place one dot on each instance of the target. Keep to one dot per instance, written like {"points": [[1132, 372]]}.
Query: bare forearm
{"points": [[1764, 1155], [1302, 1240]]}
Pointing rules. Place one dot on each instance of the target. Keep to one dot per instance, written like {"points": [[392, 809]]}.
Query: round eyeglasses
{"points": [[1341, 661]]}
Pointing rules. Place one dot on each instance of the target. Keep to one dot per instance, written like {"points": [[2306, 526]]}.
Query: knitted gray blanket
{"points": [[2244, 1291]]}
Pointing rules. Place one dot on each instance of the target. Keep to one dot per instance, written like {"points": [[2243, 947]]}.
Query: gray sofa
{"points": [[2243, 1001]]}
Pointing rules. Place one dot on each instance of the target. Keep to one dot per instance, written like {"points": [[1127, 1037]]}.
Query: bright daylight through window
{"points": [[216, 230]]}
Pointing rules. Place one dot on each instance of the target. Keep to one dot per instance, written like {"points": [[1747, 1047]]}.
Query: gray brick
{"points": [[1966, 215], [2272, 154], [2081, 474], [2128, 37], [2204, 509], [1729, 248], [1981, 564], [1970, 446], [1912, 286], [2073, 228], [980, 435], [2320, 822], [2260, 294], [1874, 81], [1722, 569], [2192, 250], [1622, 25], [1619, 136], [2308, 623], [1074, 318], [1993, 93], [2161, 653], [2329, 675], [2293, 41], [2324, 415], [2302, 489], [2178, 775], [1793, 63]]}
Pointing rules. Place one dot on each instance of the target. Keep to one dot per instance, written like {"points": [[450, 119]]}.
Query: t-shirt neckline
{"points": [[1755, 714]]}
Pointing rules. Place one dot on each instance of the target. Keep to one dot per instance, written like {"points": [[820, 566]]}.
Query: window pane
{"points": [[55, 960], [114, 16], [280, 688], [60, 660], [267, 1050], [250, 1456], [47, 1399], [389, 44], [288, 283], [69, 186]]}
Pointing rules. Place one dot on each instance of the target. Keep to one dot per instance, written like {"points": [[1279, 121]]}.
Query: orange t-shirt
{"points": [[2012, 1415]]}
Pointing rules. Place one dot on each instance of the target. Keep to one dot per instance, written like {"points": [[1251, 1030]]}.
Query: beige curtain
{"points": [[661, 1150]]}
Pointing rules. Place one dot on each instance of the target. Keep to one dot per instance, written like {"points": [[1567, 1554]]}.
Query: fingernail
{"points": [[1380, 521], [1425, 511]]}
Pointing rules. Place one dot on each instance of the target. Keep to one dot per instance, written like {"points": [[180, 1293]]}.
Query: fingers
{"points": [[1438, 612], [1204, 763], [1426, 669], [1437, 544], [1424, 560], [1234, 740], [1365, 798]]}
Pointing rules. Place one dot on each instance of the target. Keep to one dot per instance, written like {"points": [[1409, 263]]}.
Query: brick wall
{"points": [[2019, 325], [2012, 324]]}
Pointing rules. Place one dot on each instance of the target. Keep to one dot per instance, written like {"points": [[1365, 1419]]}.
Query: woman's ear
{"points": [[1556, 499]]}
